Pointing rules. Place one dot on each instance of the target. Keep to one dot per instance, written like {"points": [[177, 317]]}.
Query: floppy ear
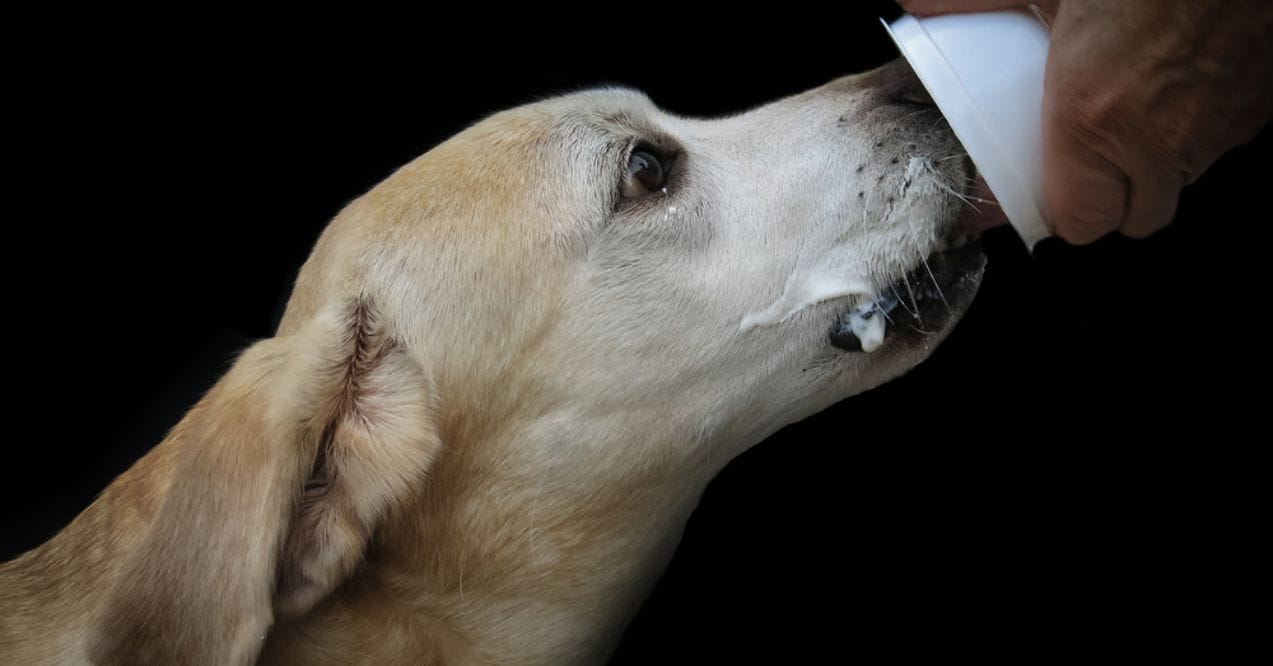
{"points": [[284, 469]]}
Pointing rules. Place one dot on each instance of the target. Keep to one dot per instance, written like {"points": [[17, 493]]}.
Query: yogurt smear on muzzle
{"points": [[918, 304]]}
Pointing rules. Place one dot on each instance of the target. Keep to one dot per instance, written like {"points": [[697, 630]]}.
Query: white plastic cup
{"points": [[985, 72]]}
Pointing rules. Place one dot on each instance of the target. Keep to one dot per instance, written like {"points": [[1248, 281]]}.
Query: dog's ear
{"points": [[283, 471]]}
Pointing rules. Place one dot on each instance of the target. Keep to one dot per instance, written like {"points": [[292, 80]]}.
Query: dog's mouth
{"points": [[929, 298], [925, 302]]}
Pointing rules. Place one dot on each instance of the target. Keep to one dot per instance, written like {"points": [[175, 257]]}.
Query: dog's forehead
{"points": [[599, 120], [572, 145], [606, 108]]}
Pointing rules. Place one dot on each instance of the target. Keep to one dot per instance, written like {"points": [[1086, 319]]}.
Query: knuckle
{"points": [[1089, 113], [1085, 224], [1099, 117], [1170, 147]]}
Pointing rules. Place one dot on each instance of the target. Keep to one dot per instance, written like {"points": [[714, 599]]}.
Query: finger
{"points": [[1086, 194], [930, 7]]}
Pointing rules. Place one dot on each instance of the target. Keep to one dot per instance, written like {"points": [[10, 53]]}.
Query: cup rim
{"points": [[948, 90]]}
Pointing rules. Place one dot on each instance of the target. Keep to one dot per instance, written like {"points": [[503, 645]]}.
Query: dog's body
{"points": [[504, 377]]}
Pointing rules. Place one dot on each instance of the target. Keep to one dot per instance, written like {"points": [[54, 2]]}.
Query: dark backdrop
{"points": [[1075, 465]]}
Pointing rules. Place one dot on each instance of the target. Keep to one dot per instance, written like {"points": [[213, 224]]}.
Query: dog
{"points": [[503, 379]]}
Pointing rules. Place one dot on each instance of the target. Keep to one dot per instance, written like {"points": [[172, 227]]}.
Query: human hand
{"points": [[1140, 98]]}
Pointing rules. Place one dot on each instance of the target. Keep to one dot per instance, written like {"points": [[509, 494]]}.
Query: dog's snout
{"points": [[896, 83]]}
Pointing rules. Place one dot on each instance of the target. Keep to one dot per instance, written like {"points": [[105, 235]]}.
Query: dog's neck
{"points": [[536, 534]]}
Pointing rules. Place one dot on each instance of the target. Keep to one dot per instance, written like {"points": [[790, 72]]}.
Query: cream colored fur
{"points": [[496, 395]]}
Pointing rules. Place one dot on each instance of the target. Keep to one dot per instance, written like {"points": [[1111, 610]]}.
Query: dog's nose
{"points": [[896, 83]]}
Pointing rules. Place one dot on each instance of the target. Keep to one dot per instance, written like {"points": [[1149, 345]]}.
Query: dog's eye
{"points": [[645, 175]]}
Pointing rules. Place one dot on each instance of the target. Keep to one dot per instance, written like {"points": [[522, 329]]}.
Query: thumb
{"points": [[930, 7]]}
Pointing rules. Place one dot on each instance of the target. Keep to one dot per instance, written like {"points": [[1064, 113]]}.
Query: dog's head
{"points": [[746, 271], [589, 289], [730, 275]]}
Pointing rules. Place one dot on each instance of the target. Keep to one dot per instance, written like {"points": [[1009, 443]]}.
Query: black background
{"points": [[1073, 469]]}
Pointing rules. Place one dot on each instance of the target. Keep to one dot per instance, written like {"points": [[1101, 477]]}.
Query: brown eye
{"points": [[644, 175]]}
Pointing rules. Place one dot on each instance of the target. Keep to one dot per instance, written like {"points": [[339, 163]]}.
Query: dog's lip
{"points": [[924, 300], [983, 211], [919, 305]]}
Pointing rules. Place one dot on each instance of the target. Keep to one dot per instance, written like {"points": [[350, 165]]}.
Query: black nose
{"points": [[896, 83]]}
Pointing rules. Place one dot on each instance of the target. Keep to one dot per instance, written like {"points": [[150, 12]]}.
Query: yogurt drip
{"points": [[868, 322], [869, 328], [803, 290]]}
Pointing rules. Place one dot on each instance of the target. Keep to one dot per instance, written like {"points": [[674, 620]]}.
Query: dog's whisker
{"points": [[911, 115], [886, 317], [914, 301], [944, 184], [940, 293], [900, 301], [958, 195]]}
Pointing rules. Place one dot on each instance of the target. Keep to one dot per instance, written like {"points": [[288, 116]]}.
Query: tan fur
{"points": [[148, 575], [198, 573], [458, 448]]}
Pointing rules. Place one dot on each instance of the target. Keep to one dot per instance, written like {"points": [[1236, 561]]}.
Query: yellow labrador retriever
{"points": [[504, 378]]}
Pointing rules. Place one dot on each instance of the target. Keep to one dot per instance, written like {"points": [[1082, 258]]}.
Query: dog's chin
{"points": [[917, 309]]}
